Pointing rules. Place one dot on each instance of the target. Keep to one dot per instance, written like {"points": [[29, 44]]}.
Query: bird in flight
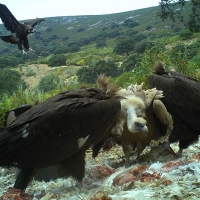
{"points": [[20, 31]]}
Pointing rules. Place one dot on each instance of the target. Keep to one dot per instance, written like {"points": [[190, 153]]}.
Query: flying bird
{"points": [[182, 100], [58, 131], [20, 31]]}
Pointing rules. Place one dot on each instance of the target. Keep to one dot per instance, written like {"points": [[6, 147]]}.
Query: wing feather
{"points": [[10, 22], [181, 96], [34, 22], [51, 129]]}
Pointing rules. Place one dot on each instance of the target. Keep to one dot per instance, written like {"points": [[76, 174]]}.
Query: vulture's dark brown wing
{"points": [[181, 96], [174, 74], [9, 38], [60, 127], [34, 22], [10, 22]]}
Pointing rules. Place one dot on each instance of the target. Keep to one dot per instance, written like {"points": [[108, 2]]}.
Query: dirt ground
{"points": [[32, 74]]}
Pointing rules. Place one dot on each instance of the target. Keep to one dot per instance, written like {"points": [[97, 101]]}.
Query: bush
{"points": [[100, 43], [30, 72], [74, 48], [81, 29], [131, 62], [48, 29], [148, 27], [49, 82], [57, 60], [114, 25], [124, 46], [113, 34], [140, 37], [89, 74], [10, 81], [185, 34]]}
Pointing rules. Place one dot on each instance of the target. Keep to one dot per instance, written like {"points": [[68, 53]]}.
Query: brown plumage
{"points": [[157, 123], [59, 130], [182, 100], [12, 114], [19, 30]]}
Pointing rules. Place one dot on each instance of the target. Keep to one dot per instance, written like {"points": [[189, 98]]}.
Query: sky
{"points": [[30, 9]]}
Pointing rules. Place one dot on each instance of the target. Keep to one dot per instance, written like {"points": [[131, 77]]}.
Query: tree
{"points": [[174, 9], [186, 34], [4, 62], [81, 29], [10, 81], [139, 37], [114, 25], [131, 62], [124, 46], [74, 48], [57, 60], [49, 82], [100, 43], [148, 27], [89, 74], [113, 33], [48, 29]]}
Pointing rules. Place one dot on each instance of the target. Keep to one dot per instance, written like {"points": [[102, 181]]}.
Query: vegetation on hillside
{"points": [[175, 10], [124, 46]]}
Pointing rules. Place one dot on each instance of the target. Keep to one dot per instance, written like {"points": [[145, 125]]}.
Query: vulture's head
{"points": [[139, 125], [133, 108], [29, 29]]}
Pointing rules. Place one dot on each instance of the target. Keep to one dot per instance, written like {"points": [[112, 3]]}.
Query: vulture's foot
{"points": [[79, 185], [23, 178], [133, 162], [166, 147], [179, 153], [24, 52], [31, 50], [127, 161]]}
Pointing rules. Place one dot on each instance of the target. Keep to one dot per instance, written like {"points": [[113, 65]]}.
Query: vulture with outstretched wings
{"points": [[182, 100], [19, 30], [58, 131]]}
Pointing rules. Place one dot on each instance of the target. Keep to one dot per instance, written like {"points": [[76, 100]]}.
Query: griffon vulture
{"points": [[58, 131], [182, 100], [157, 123], [19, 30]]}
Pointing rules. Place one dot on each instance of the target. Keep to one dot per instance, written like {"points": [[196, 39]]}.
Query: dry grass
{"points": [[41, 70]]}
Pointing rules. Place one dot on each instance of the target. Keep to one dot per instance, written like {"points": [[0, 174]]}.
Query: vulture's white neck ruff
{"points": [[131, 117], [132, 107]]}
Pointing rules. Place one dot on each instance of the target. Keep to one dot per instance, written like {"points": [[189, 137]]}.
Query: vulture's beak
{"points": [[144, 129], [32, 31]]}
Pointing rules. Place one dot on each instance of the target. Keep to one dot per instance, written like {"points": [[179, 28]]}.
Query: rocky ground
{"points": [[157, 176]]}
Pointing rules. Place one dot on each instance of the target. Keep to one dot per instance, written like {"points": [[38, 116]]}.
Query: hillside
{"points": [[84, 41], [58, 34]]}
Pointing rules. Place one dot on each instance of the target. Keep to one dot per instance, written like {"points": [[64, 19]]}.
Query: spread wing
{"points": [[34, 22], [57, 131], [10, 22], [9, 38]]}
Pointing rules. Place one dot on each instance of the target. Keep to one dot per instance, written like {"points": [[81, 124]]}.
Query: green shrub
{"points": [[57, 60], [186, 34], [30, 72], [89, 74], [49, 82], [10, 81]]}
